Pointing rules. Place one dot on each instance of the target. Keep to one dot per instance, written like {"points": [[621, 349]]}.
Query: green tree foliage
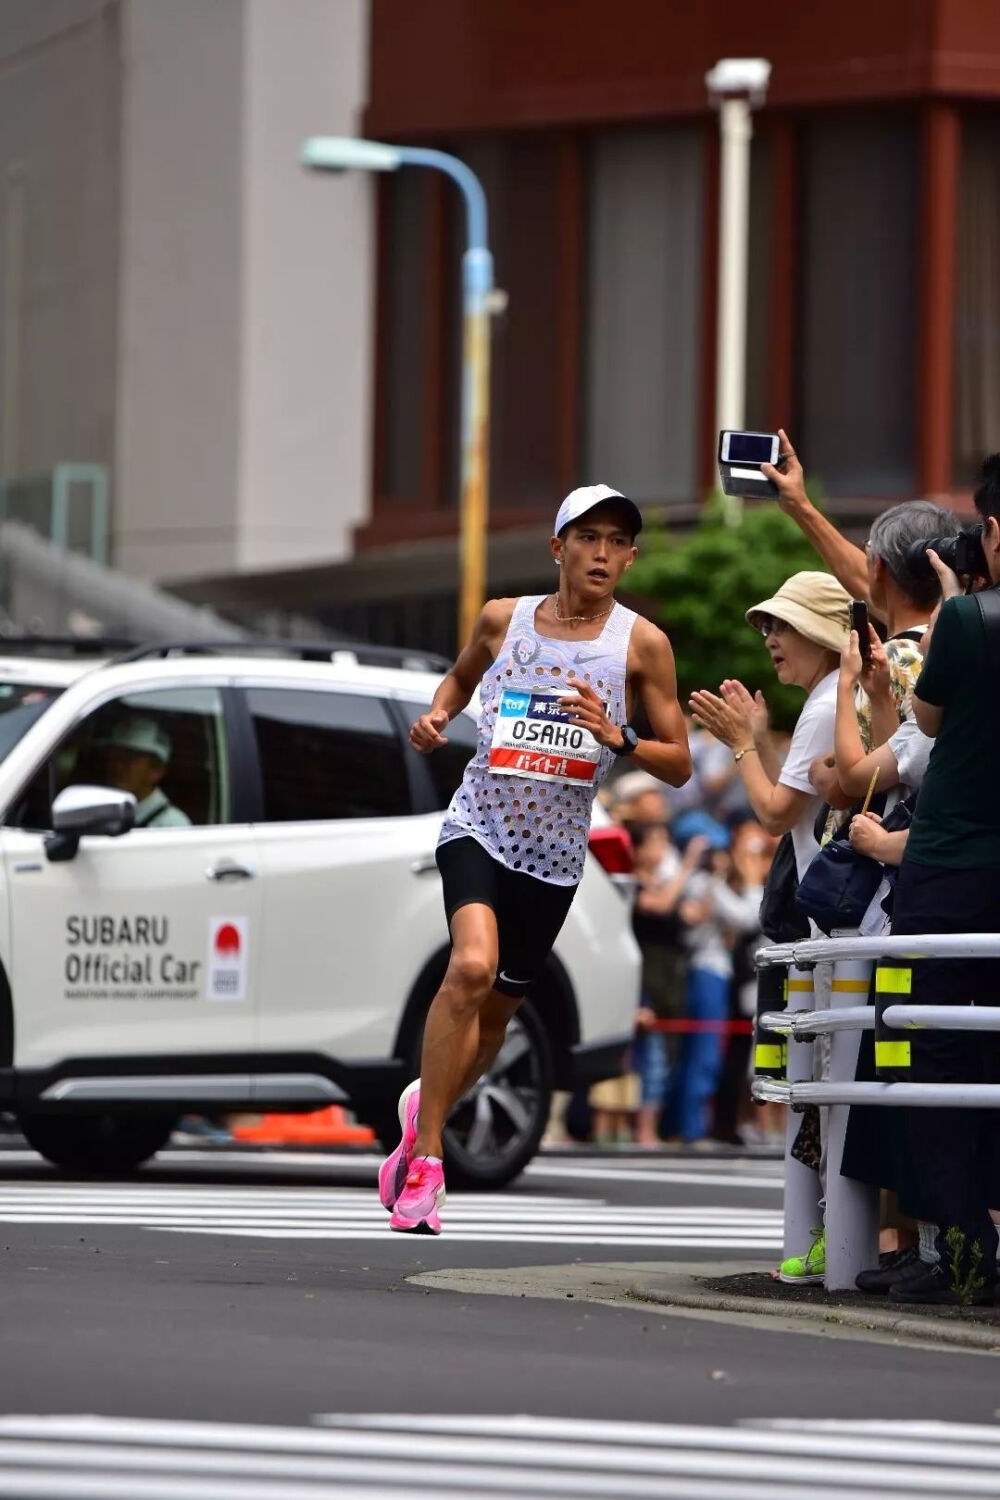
{"points": [[698, 587]]}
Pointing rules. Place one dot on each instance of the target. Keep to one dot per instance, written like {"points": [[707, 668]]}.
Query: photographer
{"points": [[949, 881]]}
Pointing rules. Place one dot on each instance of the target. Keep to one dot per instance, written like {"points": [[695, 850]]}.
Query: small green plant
{"points": [[965, 1286]]}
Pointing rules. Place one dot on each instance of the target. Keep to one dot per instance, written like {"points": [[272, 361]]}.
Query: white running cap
{"points": [[578, 502]]}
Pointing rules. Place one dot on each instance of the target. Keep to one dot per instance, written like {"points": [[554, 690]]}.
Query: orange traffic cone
{"points": [[322, 1127]]}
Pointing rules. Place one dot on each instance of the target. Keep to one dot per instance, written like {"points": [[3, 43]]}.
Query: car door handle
{"points": [[424, 865], [228, 870]]}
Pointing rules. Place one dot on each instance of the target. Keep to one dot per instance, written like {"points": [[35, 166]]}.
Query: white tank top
{"points": [[528, 790]]}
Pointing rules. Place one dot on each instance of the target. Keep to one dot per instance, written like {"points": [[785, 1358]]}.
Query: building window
{"points": [[857, 347], [521, 176], [642, 305], [977, 300], [405, 220], [422, 240]]}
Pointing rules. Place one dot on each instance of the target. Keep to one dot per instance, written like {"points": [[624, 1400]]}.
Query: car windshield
{"points": [[21, 703]]}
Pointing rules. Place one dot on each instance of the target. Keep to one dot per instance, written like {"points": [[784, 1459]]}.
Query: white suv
{"points": [[275, 941]]}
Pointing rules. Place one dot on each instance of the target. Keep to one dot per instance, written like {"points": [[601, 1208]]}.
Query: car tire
{"points": [[97, 1143]]}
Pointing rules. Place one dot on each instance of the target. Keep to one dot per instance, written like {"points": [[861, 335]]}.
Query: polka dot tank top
{"points": [[538, 824]]}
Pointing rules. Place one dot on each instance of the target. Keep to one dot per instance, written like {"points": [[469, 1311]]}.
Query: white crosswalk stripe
{"points": [[400, 1457], [267, 1212], [738, 1172]]}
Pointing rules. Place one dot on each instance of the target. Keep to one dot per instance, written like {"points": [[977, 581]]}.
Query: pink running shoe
{"points": [[392, 1172], [416, 1210]]}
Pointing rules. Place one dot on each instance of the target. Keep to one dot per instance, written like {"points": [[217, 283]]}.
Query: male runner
{"points": [[514, 840]]}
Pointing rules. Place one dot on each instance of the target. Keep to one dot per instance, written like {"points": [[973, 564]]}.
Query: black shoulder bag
{"points": [[780, 919]]}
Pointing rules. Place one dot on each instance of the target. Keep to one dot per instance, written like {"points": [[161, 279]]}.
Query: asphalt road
{"points": [[266, 1291]]}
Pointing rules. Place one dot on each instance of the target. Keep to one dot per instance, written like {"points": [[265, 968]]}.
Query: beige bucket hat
{"points": [[814, 604]]}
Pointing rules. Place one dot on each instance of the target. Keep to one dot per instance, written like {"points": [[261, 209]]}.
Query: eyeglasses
{"points": [[768, 625]]}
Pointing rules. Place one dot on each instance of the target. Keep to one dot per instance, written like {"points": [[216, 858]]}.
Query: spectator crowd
{"points": [[876, 815]]}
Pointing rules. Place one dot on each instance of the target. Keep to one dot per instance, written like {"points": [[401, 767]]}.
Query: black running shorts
{"points": [[529, 911]]}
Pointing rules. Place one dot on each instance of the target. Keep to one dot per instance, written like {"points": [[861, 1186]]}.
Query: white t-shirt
{"points": [[912, 749], [814, 735]]}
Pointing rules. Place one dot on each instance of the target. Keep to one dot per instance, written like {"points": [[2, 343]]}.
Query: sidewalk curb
{"points": [[681, 1291]]}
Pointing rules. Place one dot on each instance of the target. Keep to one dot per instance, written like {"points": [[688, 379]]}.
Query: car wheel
{"points": [[97, 1143], [493, 1133]]}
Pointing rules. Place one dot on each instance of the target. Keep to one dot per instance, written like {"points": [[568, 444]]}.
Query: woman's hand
{"points": [[876, 679], [866, 835], [755, 708], [851, 665], [728, 720]]}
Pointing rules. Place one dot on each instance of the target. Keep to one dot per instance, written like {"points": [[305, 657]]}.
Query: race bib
{"points": [[535, 737]]}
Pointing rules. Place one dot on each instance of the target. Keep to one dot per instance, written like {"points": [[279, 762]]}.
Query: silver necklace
{"points": [[579, 619]]}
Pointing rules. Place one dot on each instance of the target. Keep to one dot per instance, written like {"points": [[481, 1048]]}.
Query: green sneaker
{"points": [[801, 1270]]}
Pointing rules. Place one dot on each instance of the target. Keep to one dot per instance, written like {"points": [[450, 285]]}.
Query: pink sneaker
{"points": [[392, 1172], [416, 1210]]}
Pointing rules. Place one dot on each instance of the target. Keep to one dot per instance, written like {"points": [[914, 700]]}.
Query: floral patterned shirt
{"points": [[905, 663]]}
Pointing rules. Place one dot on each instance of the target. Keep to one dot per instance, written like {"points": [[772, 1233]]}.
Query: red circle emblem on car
{"points": [[227, 941]]}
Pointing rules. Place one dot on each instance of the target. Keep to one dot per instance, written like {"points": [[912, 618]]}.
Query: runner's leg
{"points": [[494, 1016], [452, 1034]]}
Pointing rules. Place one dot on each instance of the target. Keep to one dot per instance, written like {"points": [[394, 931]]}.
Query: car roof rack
{"points": [[364, 653], [66, 645]]}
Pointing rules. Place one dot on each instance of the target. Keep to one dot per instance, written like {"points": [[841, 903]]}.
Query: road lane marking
{"points": [[390, 1456]]}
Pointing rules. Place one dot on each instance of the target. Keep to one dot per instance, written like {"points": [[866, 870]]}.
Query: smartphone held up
{"points": [[741, 455], [859, 622]]}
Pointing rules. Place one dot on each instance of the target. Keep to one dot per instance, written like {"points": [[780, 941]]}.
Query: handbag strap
{"points": [[988, 601], [914, 633]]}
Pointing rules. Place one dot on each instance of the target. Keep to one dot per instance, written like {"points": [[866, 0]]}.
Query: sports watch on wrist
{"points": [[629, 741]]}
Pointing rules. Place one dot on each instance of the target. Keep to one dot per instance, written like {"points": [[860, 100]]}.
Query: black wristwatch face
{"points": [[629, 740]]}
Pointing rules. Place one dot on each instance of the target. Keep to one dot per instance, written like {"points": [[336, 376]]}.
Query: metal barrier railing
{"points": [[851, 1209]]}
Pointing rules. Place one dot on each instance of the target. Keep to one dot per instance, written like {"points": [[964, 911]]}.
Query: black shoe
{"points": [[934, 1287], [894, 1267]]}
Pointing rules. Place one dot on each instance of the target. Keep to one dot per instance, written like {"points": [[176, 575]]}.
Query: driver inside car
{"points": [[134, 756]]}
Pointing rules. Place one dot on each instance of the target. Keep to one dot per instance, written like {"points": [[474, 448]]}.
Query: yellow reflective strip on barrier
{"points": [[768, 1056], [893, 981], [851, 986], [798, 985], [892, 1054]]}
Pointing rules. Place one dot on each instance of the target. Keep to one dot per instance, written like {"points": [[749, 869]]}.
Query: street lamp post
{"points": [[735, 85], [344, 153]]}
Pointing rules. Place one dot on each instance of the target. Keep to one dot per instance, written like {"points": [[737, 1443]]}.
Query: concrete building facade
{"points": [[180, 301]]}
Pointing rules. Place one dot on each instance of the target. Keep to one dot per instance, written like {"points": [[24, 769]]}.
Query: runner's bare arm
{"points": [[458, 685], [651, 668]]}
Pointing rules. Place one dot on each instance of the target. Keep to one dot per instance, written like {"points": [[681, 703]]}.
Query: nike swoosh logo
{"points": [[580, 660]]}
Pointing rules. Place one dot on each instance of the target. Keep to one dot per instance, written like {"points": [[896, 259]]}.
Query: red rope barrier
{"points": [[730, 1028]]}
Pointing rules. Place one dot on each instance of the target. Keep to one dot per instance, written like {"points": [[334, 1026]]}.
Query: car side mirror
{"points": [[87, 809]]}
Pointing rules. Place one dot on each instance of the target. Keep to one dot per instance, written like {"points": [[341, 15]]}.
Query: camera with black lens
{"points": [[962, 553]]}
